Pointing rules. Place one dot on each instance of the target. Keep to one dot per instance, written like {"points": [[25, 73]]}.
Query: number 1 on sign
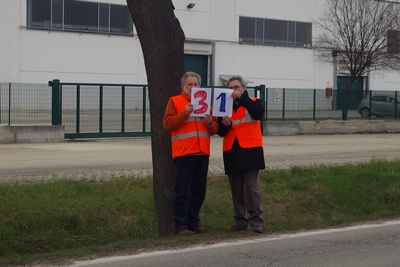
{"points": [[222, 102]]}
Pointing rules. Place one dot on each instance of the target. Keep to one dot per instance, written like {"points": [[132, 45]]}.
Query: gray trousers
{"points": [[246, 197]]}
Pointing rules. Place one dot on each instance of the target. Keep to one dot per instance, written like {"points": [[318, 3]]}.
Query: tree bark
{"points": [[345, 109], [162, 40]]}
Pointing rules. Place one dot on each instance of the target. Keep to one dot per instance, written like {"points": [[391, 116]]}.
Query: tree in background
{"points": [[360, 35], [162, 41]]}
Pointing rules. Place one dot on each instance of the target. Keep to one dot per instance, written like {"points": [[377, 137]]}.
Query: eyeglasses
{"points": [[235, 87]]}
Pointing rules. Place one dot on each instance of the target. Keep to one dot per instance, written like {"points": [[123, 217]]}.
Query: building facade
{"points": [[266, 41]]}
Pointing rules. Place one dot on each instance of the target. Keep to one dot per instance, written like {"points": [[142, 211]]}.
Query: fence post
{"points": [[370, 104], [144, 109], [259, 92], [283, 104], [395, 105], [101, 108], [55, 102], [266, 104], [9, 103], [314, 104]]}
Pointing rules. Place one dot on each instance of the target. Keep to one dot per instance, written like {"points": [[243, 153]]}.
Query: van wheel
{"points": [[364, 113]]}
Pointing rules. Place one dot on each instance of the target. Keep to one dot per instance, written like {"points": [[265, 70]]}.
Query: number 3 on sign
{"points": [[201, 100]]}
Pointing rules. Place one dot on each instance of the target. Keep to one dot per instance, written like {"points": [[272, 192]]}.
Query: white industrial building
{"points": [[95, 41]]}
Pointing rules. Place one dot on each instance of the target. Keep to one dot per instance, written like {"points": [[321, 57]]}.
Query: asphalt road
{"points": [[358, 246], [115, 157]]}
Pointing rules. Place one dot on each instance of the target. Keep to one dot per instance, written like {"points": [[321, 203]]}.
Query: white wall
{"points": [[46, 55], [9, 40], [218, 22], [385, 81]]}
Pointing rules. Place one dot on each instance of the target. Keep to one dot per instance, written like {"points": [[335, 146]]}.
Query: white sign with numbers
{"points": [[222, 102]]}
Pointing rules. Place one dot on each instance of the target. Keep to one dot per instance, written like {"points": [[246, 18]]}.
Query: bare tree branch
{"points": [[361, 35], [358, 31]]}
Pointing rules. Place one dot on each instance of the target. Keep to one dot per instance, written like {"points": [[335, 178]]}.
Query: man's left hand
{"points": [[207, 119]]}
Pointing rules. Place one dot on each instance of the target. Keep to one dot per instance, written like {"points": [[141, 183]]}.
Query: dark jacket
{"points": [[239, 158]]}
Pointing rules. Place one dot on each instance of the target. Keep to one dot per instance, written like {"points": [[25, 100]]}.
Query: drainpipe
{"points": [[212, 64]]}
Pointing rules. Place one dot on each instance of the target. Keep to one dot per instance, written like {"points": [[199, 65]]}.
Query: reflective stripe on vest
{"points": [[247, 118], [187, 135], [192, 137], [245, 129]]}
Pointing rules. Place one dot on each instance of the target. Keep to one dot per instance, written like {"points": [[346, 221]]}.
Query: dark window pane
{"points": [[259, 31], [104, 18], [269, 31], [291, 33], [280, 32], [303, 34], [275, 32], [39, 13], [82, 16], [120, 19], [57, 14], [247, 29], [393, 41]]}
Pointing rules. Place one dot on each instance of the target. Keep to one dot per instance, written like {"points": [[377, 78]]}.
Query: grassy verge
{"points": [[64, 219]]}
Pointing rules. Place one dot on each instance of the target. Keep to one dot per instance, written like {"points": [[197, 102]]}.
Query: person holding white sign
{"points": [[243, 155], [190, 137]]}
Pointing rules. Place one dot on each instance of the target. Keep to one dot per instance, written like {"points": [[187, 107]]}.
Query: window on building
{"points": [[275, 32], [80, 16], [390, 1], [393, 41]]}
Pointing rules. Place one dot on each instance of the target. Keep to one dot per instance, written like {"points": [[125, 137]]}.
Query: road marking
{"points": [[236, 243]]}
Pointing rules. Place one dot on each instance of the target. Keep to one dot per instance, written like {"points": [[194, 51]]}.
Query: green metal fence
{"points": [[25, 103], [94, 110], [91, 110]]}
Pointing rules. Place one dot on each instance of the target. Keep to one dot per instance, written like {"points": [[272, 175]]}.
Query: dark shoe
{"points": [[236, 228], [185, 232], [258, 229], [200, 230]]}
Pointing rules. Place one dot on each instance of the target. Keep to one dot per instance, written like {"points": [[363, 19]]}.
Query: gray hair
{"points": [[190, 73], [238, 78]]}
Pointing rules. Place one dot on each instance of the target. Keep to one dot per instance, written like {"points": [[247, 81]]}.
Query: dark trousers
{"points": [[190, 190], [246, 198]]}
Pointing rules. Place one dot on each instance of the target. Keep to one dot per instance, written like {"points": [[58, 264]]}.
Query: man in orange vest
{"points": [[243, 156], [190, 137]]}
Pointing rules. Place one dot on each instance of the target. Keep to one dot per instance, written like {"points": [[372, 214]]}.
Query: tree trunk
{"points": [[162, 40], [345, 109], [346, 105]]}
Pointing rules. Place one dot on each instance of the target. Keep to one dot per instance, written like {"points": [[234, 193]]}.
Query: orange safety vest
{"points": [[192, 137], [245, 128]]}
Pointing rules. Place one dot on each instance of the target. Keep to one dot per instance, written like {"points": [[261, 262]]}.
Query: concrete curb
{"points": [[55, 133], [31, 134], [330, 127]]}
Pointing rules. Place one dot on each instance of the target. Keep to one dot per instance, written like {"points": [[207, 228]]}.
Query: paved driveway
{"points": [[30, 162]]}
